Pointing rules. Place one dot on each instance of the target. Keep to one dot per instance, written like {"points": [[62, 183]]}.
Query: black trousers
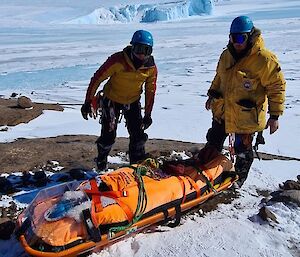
{"points": [[216, 136], [134, 120]]}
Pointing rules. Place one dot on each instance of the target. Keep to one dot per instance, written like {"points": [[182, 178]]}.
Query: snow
{"points": [[50, 49]]}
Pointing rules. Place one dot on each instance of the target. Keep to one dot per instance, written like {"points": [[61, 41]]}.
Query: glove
{"points": [[147, 121], [86, 110]]}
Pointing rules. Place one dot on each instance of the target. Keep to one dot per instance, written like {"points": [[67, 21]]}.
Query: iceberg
{"points": [[148, 13]]}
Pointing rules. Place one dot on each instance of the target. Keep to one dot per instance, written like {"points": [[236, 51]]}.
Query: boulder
{"points": [[286, 197], [290, 185], [24, 102]]}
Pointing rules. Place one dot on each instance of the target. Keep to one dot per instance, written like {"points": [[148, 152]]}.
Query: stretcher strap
{"points": [[96, 200], [177, 217], [126, 209], [183, 188], [195, 186], [92, 230]]}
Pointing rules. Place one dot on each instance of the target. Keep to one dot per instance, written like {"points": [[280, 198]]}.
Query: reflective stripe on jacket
{"points": [[125, 83], [248, 88]]}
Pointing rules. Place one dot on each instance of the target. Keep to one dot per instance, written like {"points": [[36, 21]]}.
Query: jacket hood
{"points": [[256, 41], [255, 44], [135, 62]]}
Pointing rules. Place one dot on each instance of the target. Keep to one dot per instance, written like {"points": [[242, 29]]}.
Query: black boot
{"points": [[101, 164], [242, 166], [137, 155], [101, 160], [137, 151]]}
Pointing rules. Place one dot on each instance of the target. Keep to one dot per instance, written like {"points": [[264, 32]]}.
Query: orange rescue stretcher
{"points": [[74, 219]]}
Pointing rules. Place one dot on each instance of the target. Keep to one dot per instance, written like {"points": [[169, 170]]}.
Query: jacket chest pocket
{"points": [[245, 82]]}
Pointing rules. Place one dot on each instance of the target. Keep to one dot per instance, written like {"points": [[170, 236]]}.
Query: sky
{"points": [[48, 55]]}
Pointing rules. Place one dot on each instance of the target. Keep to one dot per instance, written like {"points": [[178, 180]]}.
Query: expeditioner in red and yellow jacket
{"points": [[248, 83], [128, 73]]}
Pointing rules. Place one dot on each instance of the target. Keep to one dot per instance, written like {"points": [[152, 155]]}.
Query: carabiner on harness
{"points": [[260, 140], [97, 105], [231, 147]]}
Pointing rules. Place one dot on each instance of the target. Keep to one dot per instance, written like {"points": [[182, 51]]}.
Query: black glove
{"points": [[86, 110], [147, 121]]}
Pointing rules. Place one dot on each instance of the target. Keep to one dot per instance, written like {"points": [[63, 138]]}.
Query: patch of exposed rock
{"points": [[22, 110]]}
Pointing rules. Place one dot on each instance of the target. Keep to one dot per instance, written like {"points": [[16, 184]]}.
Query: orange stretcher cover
{"points": [[119, 202]]}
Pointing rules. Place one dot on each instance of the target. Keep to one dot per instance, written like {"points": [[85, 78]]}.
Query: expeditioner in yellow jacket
{"points": [[129, 73], [248, 84]]}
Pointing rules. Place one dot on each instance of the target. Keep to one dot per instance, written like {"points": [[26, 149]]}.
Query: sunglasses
{"points": [[142, 49], [239, 38]]}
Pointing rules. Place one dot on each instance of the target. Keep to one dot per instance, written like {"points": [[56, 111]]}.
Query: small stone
{"points": [[265, 214]]}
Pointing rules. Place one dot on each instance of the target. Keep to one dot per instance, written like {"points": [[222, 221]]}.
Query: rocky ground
{"points": [[72, 151], [78, 151], [21, 110]]}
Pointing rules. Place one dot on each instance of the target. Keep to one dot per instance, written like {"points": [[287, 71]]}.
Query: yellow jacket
{"points": [[247, 88], [125, 83]]}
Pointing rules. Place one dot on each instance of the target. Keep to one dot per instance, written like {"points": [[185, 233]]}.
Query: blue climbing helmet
{"points": [[241, 24], [142, 37]]}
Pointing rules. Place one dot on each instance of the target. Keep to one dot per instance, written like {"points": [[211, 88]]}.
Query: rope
{"points": [[139, 172], [208, 183]]}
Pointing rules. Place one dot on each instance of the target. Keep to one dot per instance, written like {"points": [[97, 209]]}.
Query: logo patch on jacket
{"points": [[247, 85]]}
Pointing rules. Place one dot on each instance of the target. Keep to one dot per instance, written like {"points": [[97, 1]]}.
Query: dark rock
{"points": [[6, 186], [40, 178], [264, 193], [265, 214], [13, 95], [24, 102], [290, 185], [7, 227], [287, 196]]}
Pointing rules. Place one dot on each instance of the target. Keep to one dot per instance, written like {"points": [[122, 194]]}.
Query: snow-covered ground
{"points": [[50, 49]]}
